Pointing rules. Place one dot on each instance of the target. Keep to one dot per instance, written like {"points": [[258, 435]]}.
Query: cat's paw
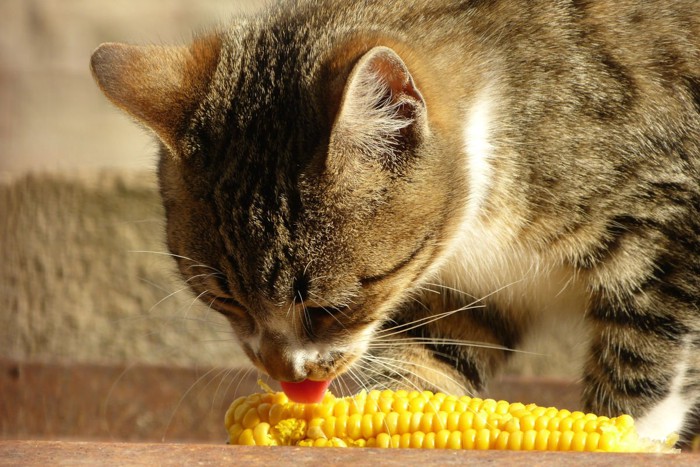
{"points": [[664, 420]]}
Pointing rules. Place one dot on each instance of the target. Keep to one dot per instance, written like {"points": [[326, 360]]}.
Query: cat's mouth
{"points": [[301, 367], [307, 391]]}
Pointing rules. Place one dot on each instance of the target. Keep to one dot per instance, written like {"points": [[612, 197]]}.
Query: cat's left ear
{"points": [[159, 86], [381, 109]]}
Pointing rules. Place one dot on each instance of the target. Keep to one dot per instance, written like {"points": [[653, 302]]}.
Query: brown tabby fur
{"points": [[319, 193]]}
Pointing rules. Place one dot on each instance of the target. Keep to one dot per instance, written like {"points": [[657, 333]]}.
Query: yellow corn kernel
{"points": [[502, 441], [261, 434], [441, 438], [246, 438], [251, 418], [414, 419], [468, 438], [527, 423], [483, 438], [592, 441], [541, 439], [515, 441], [529, 437], [553, 441]]}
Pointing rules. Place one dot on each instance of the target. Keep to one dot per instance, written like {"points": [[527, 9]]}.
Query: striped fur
{"points": [[401, 191]]}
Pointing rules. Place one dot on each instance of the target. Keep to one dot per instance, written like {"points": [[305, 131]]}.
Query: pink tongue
{"points": [[307, 391]]}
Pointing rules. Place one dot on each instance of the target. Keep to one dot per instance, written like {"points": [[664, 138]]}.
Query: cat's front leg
{"points": [[644, 359]]}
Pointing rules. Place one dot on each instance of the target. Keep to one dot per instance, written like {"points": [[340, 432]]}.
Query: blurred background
{"points": [[98, 337]]}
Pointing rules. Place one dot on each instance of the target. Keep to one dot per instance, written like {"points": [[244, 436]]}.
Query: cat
{"points": [[399, 191]]}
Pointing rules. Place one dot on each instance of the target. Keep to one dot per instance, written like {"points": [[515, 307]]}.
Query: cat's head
{"points": [[307, 189]]}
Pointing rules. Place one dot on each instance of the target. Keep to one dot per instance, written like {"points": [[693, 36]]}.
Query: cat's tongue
{"points": [[306, 391]]}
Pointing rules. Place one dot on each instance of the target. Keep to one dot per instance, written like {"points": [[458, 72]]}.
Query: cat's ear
{"points": [[159, 86], [381, 105]]}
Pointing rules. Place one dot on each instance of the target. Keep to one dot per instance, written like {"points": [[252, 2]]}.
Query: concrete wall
{"points": [[52, 116]]}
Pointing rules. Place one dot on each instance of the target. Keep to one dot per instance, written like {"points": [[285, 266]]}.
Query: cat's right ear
{"points": [[159, 86], [381, 109]]}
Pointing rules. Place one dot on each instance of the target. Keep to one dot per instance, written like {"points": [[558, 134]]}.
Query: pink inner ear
{"points": [[307, 391], [395, 74]]}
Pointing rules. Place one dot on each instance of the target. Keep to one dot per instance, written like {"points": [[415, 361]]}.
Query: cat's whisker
{"points": [[388, 364], [391, 343], [404, 327], [453, 342], [451, 289], [166, 298], [357, 380], [338, 386], [195, 301], [393, 375], [182, 399], [398, 364], [306, 323], [218, 327], [371, 365], [307, 266], [103, 407], [233, 378], [196, 264], [225, 375], [365, 377], [183, 315], [205, 275], [419, 302], [220, 375], [291, 307], [429, 319], [330, 313], [160, 287], [429, 290], [247, 371]]}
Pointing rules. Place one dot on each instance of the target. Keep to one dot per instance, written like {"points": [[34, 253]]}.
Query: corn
{"points": [[426, 420]]}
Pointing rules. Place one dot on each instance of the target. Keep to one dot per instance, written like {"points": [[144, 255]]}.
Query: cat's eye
{"points": [[330, 311]]}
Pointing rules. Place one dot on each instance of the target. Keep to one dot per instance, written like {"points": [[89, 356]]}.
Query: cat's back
{"points": [[651, 46], [628, 23]]}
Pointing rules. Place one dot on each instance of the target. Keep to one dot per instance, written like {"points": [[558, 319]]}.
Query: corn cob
{"points": [[427, 420]]}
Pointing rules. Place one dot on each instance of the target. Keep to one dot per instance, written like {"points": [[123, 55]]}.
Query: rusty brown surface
{"points": [[155, 404], [139, 403], [73, 453]]}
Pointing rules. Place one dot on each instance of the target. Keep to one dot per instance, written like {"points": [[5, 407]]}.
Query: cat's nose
{"points": [[289, 366]]}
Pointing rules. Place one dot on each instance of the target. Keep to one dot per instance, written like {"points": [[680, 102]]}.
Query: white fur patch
{"points": [[300, 355], [479, 150], [300, 352], [667, 415], [487, 257]]}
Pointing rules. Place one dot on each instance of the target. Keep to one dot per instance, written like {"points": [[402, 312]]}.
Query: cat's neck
{"points": [[491, 253]]}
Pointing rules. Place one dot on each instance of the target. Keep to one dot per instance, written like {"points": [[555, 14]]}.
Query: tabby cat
{"points": [[328, 166]]}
